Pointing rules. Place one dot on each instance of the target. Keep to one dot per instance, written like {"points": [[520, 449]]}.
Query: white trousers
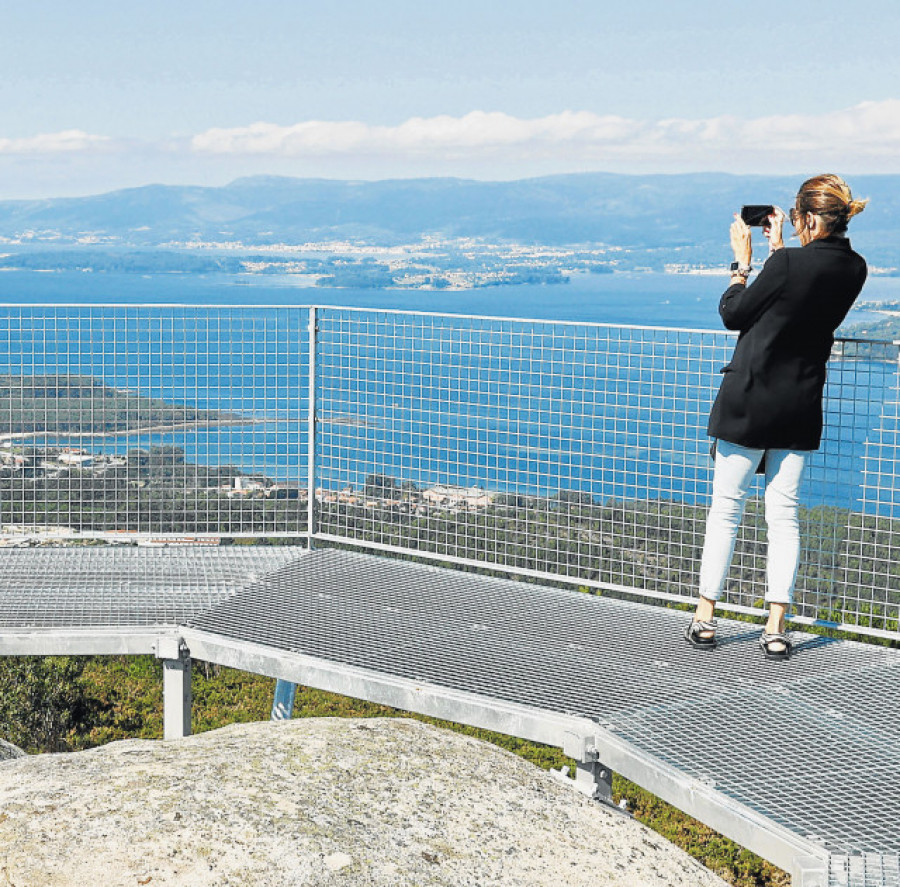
{"points": [[734, 472]]}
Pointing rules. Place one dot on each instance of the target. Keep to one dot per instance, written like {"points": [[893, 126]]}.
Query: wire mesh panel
{"points": [[851, 530], [572, 452], [579, 452], [153, 420]]}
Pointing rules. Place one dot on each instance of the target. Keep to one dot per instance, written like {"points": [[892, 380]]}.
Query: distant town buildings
{"points": [[73, 466]]}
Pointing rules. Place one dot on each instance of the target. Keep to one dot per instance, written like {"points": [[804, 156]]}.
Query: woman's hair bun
{"points": [[829, 196], [855, 207]]}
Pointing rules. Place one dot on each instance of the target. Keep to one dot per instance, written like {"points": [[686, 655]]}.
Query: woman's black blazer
{"points": [[771, 393]]}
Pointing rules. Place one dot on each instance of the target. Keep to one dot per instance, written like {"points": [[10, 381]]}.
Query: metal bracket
{"points": [[582, 748], [171, 647], [810, 871], [592, 778]]}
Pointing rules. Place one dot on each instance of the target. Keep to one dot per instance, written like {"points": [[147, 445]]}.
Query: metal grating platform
{"points": [[78, 588], [811, 747], [864, 870], [727, 717]]}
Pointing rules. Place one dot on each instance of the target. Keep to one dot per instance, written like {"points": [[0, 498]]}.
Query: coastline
{"points": [[170, 428]]}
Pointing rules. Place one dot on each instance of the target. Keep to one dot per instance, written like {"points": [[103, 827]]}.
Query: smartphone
{"points": [[757, 214]]}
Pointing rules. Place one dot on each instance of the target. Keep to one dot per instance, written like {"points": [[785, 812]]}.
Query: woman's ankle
{"points": [[777, 615], [706, 610]]}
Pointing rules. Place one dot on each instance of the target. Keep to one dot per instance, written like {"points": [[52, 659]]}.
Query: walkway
{"points": [[798, 761]]}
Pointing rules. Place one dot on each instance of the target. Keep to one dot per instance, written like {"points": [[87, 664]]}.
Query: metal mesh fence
{"points": [[569, 452], [579, 452], [152, 420]]}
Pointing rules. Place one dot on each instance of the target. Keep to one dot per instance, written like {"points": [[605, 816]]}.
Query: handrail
{"points": [[303, 306]]}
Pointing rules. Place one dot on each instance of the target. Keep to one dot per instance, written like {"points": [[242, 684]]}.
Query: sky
{"points": [[97, 96]]}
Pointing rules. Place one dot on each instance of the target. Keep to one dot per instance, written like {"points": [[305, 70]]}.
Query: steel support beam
{"points": [[283, 702], [124, 641]]}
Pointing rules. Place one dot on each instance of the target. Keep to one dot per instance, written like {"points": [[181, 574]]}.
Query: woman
{"points": [[768, 412]]}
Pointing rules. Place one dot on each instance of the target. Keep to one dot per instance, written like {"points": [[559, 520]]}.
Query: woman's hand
{"points": [[740, 240], [774, 229]]}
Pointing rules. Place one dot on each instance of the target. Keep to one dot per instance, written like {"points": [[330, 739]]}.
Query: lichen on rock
{"points": [[8, 751], [317, 801]]}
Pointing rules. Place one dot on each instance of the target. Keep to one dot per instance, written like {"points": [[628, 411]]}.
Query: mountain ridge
{"points": [[646, 211]]}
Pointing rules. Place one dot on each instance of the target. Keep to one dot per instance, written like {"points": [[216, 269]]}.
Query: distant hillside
{"points": [[635, 211]]}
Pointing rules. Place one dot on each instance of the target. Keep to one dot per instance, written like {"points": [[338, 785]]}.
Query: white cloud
{"points": [[871, 129], [474, 132], [65, 142], [490, 145]]}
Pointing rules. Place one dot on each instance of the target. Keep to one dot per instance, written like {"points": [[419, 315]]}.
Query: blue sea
{"points": [[679, 300], [630, 467]]}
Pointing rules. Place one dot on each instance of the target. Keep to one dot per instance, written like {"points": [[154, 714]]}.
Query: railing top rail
{"points": [[522, 320], [407, 312], [865, 340], [204, 306]]}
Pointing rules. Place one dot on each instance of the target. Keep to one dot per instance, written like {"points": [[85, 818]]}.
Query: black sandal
{"points": [[765, 640], [693, 634]]}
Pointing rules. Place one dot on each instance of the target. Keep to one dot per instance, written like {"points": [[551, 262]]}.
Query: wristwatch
{"points": [[738, 268]]}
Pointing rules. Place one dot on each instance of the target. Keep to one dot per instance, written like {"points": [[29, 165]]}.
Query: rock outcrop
{"points": [[316, 802], [8, 751]]}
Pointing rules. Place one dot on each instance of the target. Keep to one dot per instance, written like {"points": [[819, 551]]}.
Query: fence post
{"points": [[311, 432], [285, 691], [176, 686]]}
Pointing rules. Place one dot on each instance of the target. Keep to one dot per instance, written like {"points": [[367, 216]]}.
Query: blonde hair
{"points": [[829, 196]]}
